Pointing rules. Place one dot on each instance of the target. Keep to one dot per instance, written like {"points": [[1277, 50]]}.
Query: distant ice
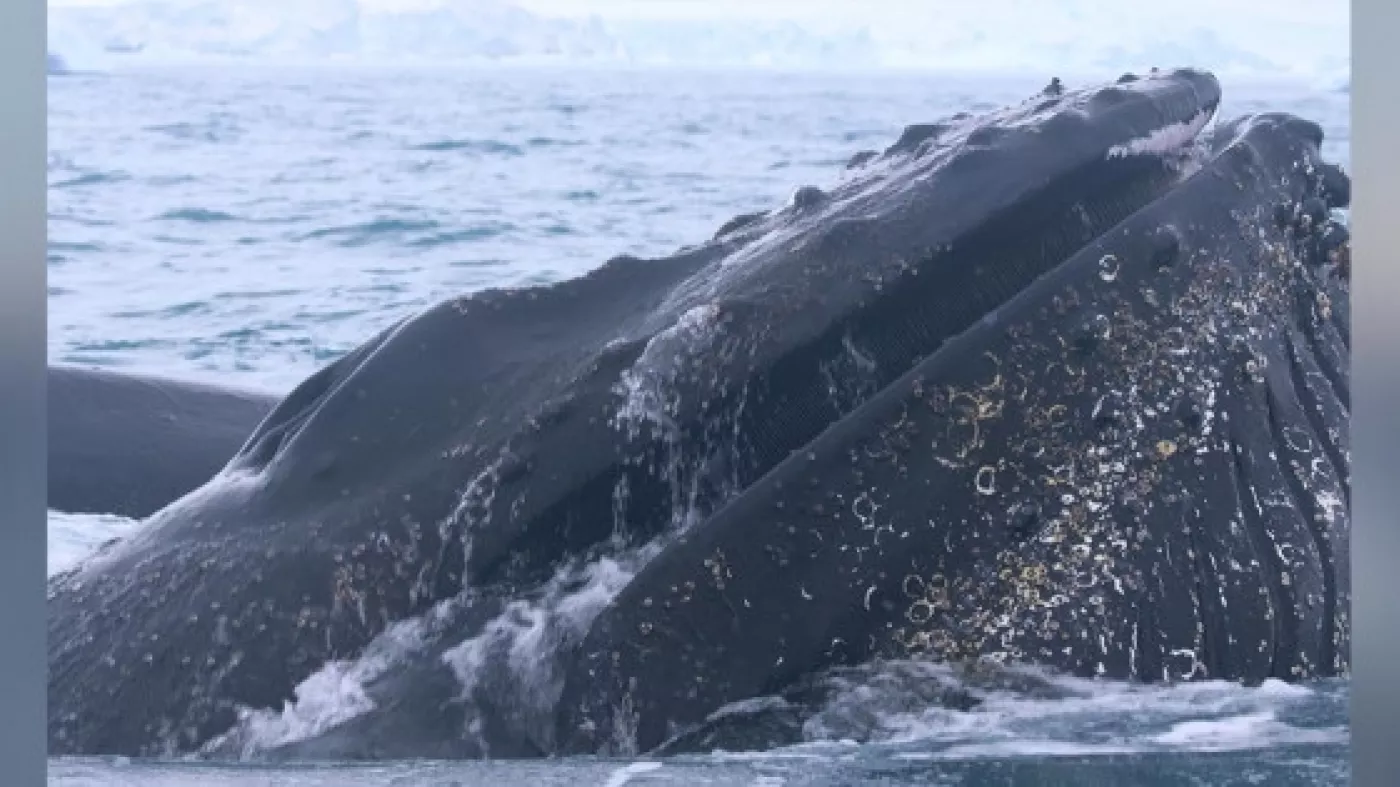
{"points": [[1075, 38]]}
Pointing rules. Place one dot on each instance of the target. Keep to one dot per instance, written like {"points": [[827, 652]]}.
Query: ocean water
{"points": [[247, 227]]}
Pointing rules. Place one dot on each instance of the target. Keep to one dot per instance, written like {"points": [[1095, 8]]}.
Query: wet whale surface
{"points": [[1138, 471], [429, 468]]}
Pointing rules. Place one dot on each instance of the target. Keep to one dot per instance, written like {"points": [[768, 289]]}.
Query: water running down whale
{"points": [[844, 430]]}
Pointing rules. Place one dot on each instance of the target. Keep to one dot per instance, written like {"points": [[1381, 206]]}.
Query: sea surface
{"points": [[247, 226]]}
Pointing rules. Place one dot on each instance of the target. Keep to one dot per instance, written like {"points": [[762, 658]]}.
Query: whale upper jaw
{"points": [[1042, 141]]}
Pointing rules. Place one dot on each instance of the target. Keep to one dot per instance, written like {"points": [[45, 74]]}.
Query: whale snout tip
{"points": [[1290, 125], [1205, 84], [1192, 74], [1307, 129]]}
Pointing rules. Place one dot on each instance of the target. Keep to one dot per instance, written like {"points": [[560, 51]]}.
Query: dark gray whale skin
{"points": [[1137, 468], [418, 712], [130, 444], [477, 444]]}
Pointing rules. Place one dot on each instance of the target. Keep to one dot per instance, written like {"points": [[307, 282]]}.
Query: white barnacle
{"points": [[1109, 267], [863, 508], [986, 481], [1298, 439]]}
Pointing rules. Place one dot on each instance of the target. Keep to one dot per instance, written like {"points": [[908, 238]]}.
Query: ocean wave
{"points": [[465, 235], [258, 294], [483, 146], [174, 311], [75, 246], [370, 232], [550, 142], [113, 347], [92, 178], [217, 129], [196, 215]]}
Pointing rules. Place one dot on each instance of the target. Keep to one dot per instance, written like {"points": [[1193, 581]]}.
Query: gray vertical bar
{"points": [[22, 380], [1375, 704]]}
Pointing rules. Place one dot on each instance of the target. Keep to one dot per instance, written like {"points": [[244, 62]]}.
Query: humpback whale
{"points": [[129, 444], [1136, 470], [1055, 384]]}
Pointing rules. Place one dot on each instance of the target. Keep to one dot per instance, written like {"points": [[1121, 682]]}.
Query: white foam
{"points": [[72, 538], [515, 659], [627, 772], [1052, 716], [1246, 731], [645, 388], [331, 696], [1028, 747], [515, 653], [1167, 140]]}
